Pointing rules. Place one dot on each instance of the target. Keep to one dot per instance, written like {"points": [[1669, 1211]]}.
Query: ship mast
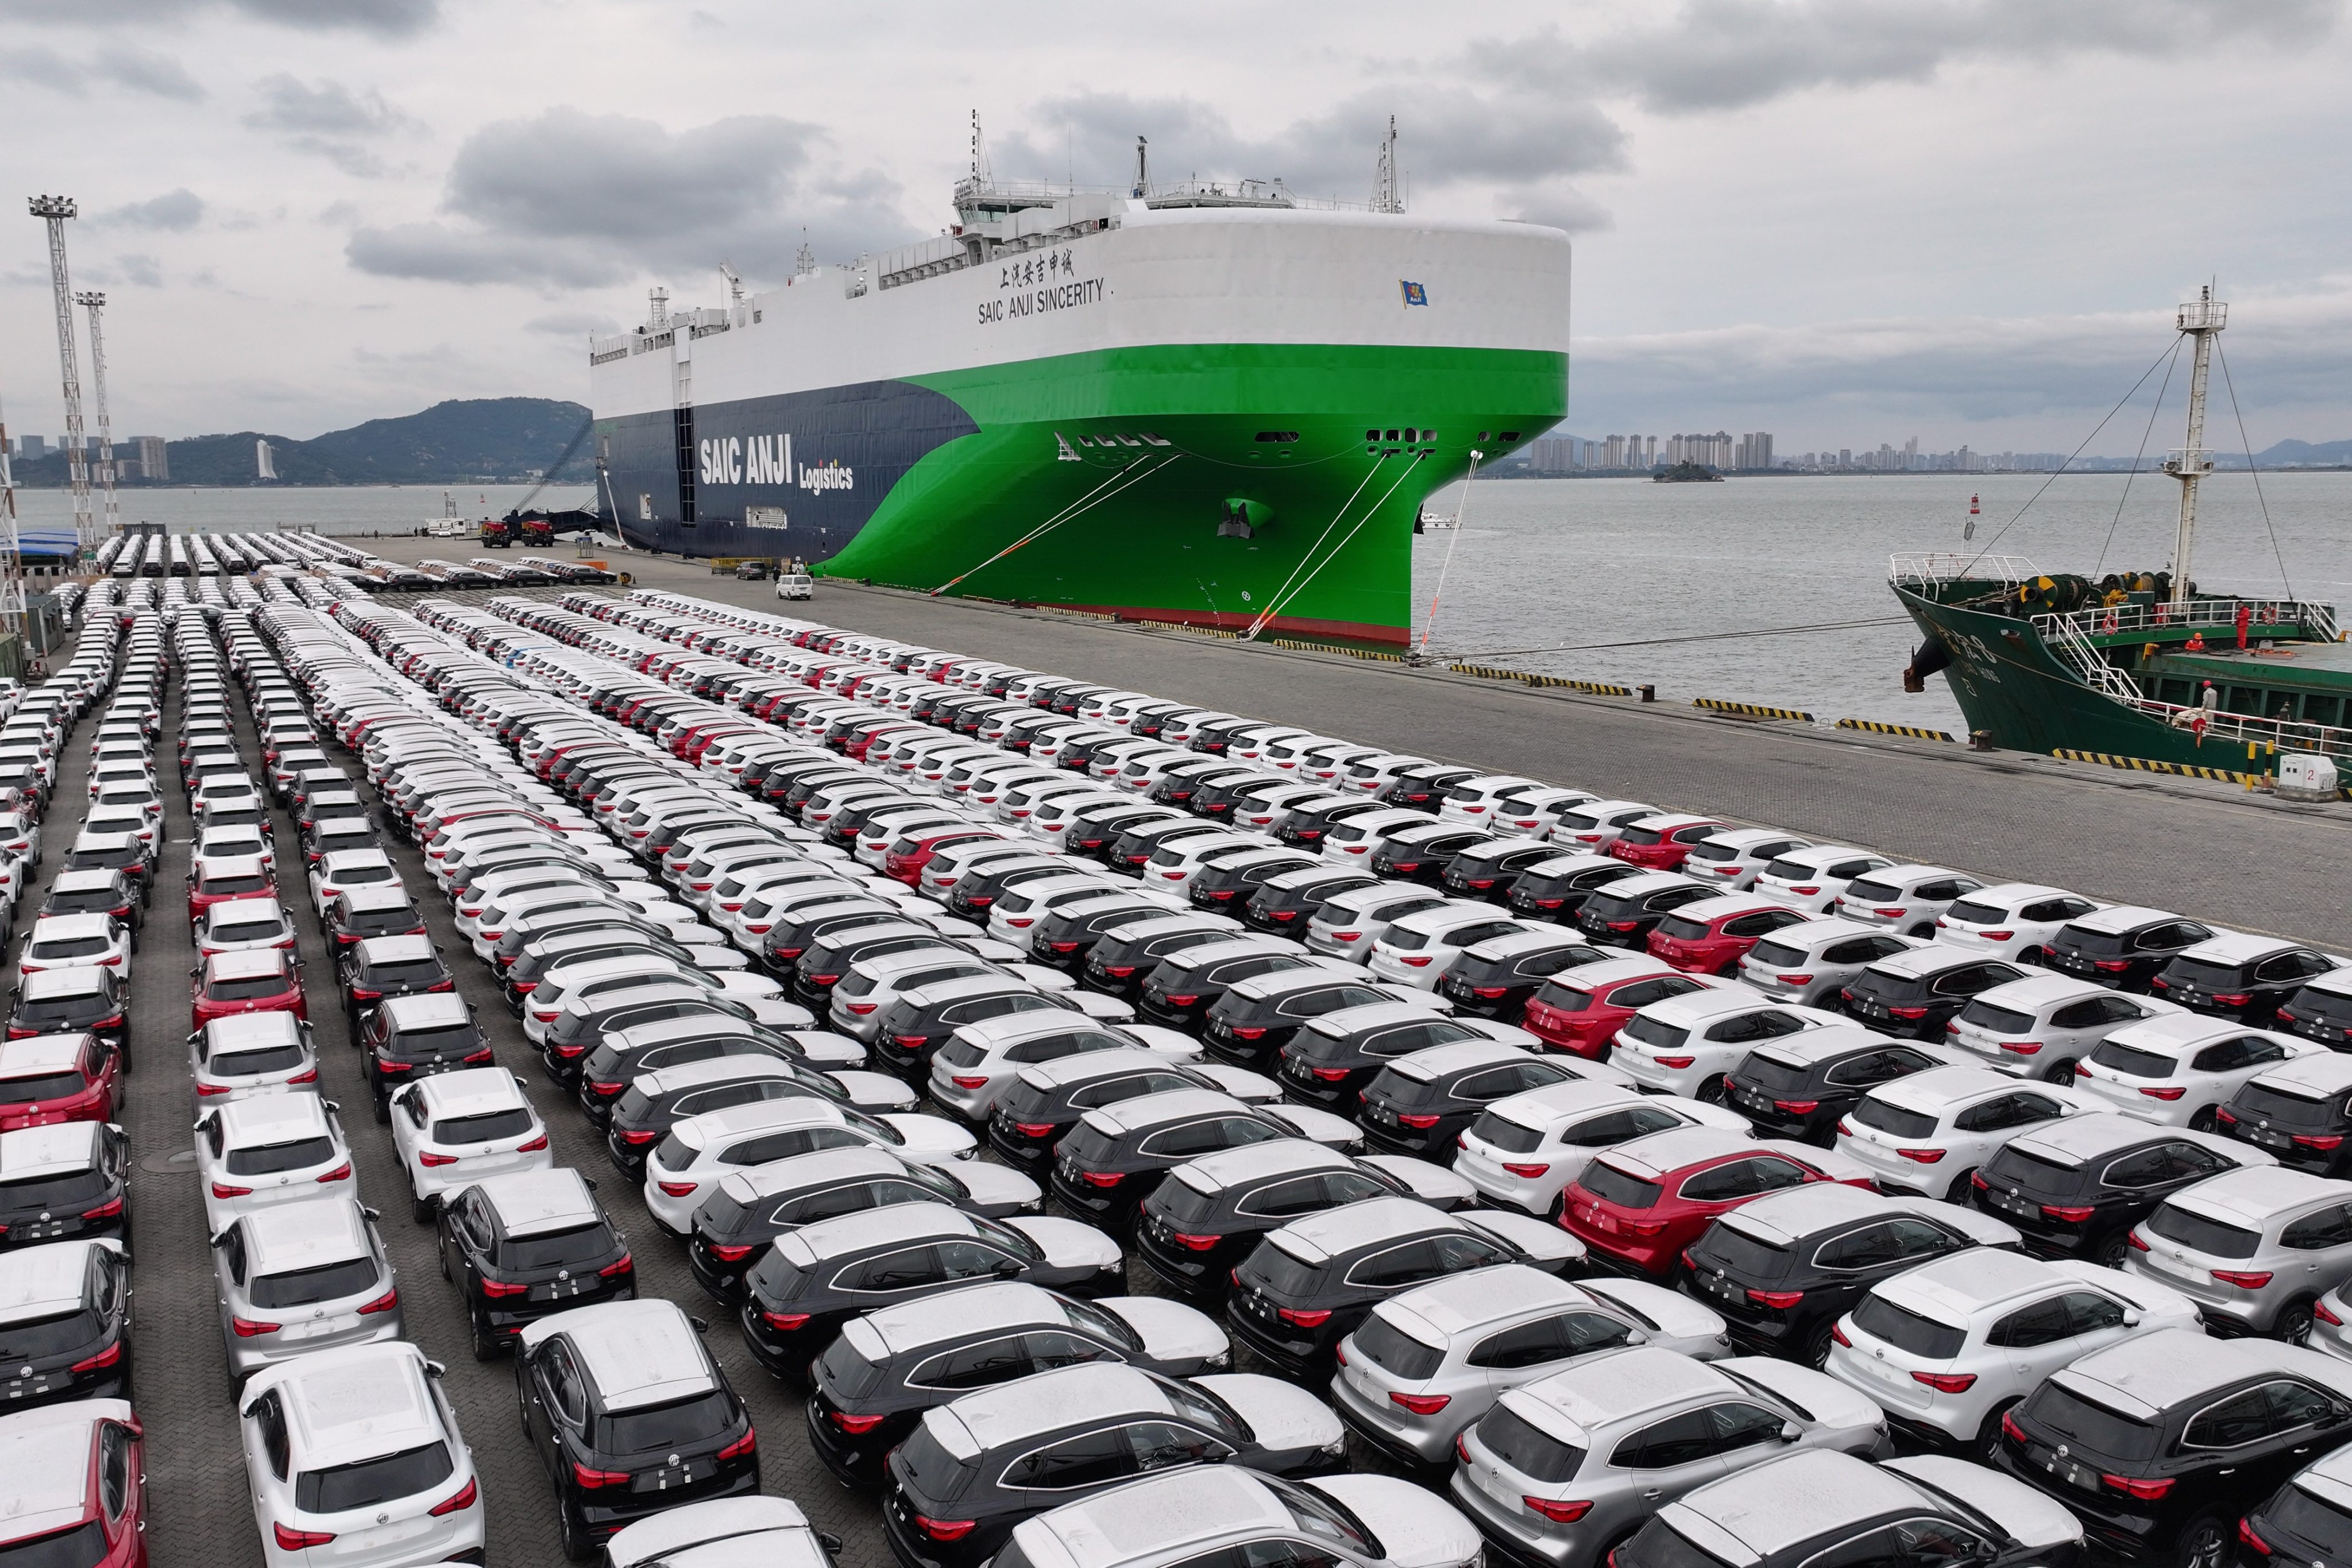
{"points": [[2201, 318]]}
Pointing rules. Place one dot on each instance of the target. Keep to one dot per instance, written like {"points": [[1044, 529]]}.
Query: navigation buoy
{"points": [[1970, 531]]}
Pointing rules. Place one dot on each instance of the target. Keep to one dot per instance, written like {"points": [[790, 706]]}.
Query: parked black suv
{"points": [[2122, 947], [1494, 978], [1044, 1101], [409, 1037], [2247, 978], [1329, 1063], [525, 1246], [1918, 991], [1250, 1024], [1799, 1085], [2078, 1187], [2299, 1112], [1420, 1104], [1624, 915], [1288, 902], [1115, 1157], [1125, 955], [1555, 887]]}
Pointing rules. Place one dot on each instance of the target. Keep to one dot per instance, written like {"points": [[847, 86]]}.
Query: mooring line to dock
{"points": [[1257, 625], [1288, 593], [1092, 498]]}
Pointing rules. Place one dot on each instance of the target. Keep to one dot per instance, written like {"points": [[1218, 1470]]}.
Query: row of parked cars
{"points": [[2146, 1301]]}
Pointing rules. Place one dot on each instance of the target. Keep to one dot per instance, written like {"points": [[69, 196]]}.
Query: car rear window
{"points": [[1907, 1330], [2138, 1063], [1733, 1250], [1395, 1351], [1606, 1181], [1180, 1201], [1562, 997], [2094, 1429], [1998, 1019], [1505, 1134], [1977, 913], [55, 1191], [2298, 1513], [1682, 928], [305, 1287], [936, 1475], [673, 1426], [2278, 1105], [1279, 1274], [45, 1086], [1535, 1454], [2201, 1234], [2034, 1172], [2200, 972], [484, 1128], [2092, 943], [1651, 1031], [269, 1159], [1776, 954], [33, 1339], [371, 1481], [1892, 1118], [1862, 890], [1771, 1074], [555, 1248]]}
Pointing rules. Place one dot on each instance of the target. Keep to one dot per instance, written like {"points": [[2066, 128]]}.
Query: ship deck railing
{"points": [[1932, 569], [2268, 736], [2268, 618]]}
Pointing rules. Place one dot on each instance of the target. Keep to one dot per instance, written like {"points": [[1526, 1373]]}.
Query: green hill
{"points": [[502, 439]]}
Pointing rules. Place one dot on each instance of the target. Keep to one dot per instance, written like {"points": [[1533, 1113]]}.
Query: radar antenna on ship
{"points": [[1388, 195]]}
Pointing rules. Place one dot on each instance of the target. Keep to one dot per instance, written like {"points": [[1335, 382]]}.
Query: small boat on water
{"points": [[2136, 665]]}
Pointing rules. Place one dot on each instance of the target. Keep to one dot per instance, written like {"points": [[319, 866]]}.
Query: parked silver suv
{"points": [[1559, 1469], [1428, 1363], [2254, 1249], [299, 1278]]}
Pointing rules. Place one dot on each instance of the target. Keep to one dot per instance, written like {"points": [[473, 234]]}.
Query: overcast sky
{"points": [[1845, 221]]}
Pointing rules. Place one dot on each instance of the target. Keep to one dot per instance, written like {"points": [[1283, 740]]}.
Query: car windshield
{"points": [[252, 990], [483, 1126], [1607, 1183], [2094, 1429], [269, 1159], [32, 1339], [581, 1244], [306, 1286], [246, 1064], [2199, 1234], [1533, 1453], [371, 1481], [1395, 1351], [672, 1425], [41, 1087], [1907, 1330]]}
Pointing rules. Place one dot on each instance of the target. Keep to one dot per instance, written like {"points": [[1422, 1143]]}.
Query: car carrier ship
{"points": [[2141, 666], [1213, 404]]}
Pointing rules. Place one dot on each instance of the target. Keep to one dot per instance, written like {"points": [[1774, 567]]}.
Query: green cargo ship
{"points": [[2138, 667]]}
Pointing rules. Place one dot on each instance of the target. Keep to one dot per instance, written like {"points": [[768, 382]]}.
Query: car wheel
{"points": [[2203, 1543], [2034, 957], [420, 1210], [579, 1546], [2294, 1321], [487, 1345], [1961, 1187], [1989, 1435], [2062, 1074], [1817, 1348], [2204, 1120], [2112, 1250], [1711, 1091], [382, 1104], [441, 1255]]}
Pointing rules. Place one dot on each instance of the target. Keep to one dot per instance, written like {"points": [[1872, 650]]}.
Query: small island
{"points": [[1687, 473]]}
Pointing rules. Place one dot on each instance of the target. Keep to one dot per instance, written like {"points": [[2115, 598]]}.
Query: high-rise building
{"points": [[154, 461], [1649, 451], [1612, 452], [30, 447]]}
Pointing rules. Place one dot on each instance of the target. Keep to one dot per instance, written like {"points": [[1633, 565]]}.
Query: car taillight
{"points": [[106, 1357], [247, 1328], [429, 1158], [1912, 1014], [784, 1320], [1118, 971], [1304, 1318], [2134, 1486], [592, 1478], [1420, 1404], [678, 1189], [1347, 936], [105, 1210], [2172, 1091], [384, 1303], [500, 1289], [2321, 1311], [2022, 1047], [1922, 1156], [1794, 979], [2246, 1536], [1558, 1512], [1779, 1300], [1797, 1107], [730, 1253], [2072, 1214], [1809, 893], [2232, 998], [1420, 1121], [1185, 1000], [1837, 1333], [945, 1529], [289, 1540], [222, 1190], [2111, 966], [855, 1426], [532, 1147], [748, 1443], [1946, 1381], [462, 1500], [2243, 1279]]}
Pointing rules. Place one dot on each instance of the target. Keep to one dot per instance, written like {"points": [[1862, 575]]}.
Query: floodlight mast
{"points": [[54, 211], [95, 304]]}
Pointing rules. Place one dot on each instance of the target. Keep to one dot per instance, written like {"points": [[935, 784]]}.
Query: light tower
{"points": [[54, 211], [95, 304], [12, 563]]}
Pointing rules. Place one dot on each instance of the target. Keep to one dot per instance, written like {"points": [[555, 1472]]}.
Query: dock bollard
{"points": [[1980, 740], [1649, 693]]}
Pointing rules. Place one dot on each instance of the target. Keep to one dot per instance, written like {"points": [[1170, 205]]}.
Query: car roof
{"points": [[1193, 1502], [1822, 930], [1795, 1213], [2174, 1033], [761, 1116], [1609, 1386], [40, 1281], [2076, 1139], [405, 949], [1753, 1513], [42, 1053], [1935, 956], [2148, 1374], [963, 986], [1013, 1412], [243, 964], [2237, 947], [2036, 992], [2327, 1072], [1214, 1173], [45, 1149], [469, 1091], [554, 1197], [1012, 1029], [640, 1353], [875, 1227], [87, 881], [48, 926], [45, 1454], [1937, 1089], [427, 1010], [2258, 1194], [1957, 1285], [282, 1236], [356, 1402], [960, 1313], [713, 1070], [1817, 1046], [1535, 1108], [245, 1031], [77, 980], [1152, 1110], [1655, 1155], [2116, 918], [1319, 1237], [1445, 1308], [1424, 1065]]}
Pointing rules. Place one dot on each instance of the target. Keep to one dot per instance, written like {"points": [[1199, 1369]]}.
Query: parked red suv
{"points": [[1643, 1201], [47, 1079], [1582, 1009], [267, 980], [1662, 843], [1711, 936]]}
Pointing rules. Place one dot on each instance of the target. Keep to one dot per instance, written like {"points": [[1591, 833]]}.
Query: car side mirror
{"points": [[700, 1325], [589, 1182], [1790, 1431], [831, 1543], [436, 1369], [2131, 1317], [1008, 1270]]}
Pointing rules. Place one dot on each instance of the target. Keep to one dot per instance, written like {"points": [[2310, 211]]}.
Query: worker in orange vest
{"points": [[2196, 643]]}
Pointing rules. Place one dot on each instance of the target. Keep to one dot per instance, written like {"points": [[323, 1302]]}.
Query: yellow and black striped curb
{"points": [[1196, 631], [1875, 728], [2149, 765], [1334, 647], [1590, 687], [1749, 709], [1485, 671]]}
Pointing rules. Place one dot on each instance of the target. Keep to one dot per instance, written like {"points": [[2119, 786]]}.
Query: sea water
{"points": [[1634, 583]]}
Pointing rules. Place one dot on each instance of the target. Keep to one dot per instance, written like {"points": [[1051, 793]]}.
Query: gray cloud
{"points": [[570, 199], [178, 210], [327, 119], [143, 271], [573, 324], [385, 18], [134, 69], [1730, 54]]}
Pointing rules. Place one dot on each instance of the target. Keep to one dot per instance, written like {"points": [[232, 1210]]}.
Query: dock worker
{"points": [[2196, 643]]}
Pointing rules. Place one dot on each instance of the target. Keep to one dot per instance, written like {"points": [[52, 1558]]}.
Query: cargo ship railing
{"points": [[2272, 736], [2063, 637], [1932, 569], [2271, 618]]}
